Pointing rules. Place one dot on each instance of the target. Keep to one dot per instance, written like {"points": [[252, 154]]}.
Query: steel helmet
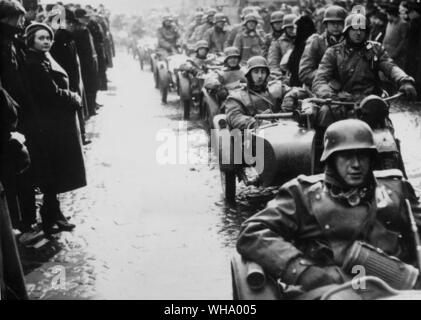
{"points": [[167, 18], [201, 44], [211, 13], [230, 52], [251, 17], [347, 135], [355, 21], [246, 11], [289, 20], [277, 16], [334, 13], [257, 62], [220, 17]]}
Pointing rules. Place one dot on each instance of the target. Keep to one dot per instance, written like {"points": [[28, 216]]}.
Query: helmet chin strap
{"points": [[334, 39]]}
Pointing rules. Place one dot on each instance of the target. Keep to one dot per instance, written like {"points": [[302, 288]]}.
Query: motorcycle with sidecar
{"points": [[250, 282], [290, 144], [165, 67], [191, 78]]}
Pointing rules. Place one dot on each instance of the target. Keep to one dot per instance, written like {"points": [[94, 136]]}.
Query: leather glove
{"points": [[326, 95], [308, 108], [409, 90], [345, 96], [315, 277], [222, 93]]}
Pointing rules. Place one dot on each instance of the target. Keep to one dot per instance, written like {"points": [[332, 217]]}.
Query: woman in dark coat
{"points": [[63, 166], [305, 28]]}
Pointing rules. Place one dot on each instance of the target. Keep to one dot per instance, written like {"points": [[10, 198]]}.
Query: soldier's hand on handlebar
{"points": [[316, 277], [344, 96], [307, 107], [409, 90]]}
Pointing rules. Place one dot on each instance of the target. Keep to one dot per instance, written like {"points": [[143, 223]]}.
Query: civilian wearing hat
{"points": [[14, 76], [395, 36], [64, 51], [98, 36], [413, 56], [63, 167], [88, 59]]}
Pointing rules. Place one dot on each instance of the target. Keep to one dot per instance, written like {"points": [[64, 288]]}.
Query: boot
{"points": [[62, 223], [48, 223]]}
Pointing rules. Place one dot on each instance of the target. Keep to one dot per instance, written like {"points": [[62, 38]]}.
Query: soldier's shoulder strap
{"points": [[388, 174]]}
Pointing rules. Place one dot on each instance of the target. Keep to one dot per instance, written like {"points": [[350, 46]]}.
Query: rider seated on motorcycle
{"points": [[317, 44], [198, 64], [283, 44], [258, 96], [168, 37], [303, 237], [350, 69], [230, 77]]}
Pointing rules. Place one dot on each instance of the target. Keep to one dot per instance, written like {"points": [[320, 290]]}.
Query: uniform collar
{"points": [[352, 196]]}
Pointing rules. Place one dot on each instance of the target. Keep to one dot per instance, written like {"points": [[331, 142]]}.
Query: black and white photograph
{"points": [[210, 150]]}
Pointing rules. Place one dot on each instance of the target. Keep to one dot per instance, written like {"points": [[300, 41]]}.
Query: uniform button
{"points": [[318, 197], [294, 271], [399, 236], [388, 222], [327, 227]]}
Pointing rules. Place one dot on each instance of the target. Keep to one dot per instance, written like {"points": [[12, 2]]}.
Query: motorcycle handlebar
{"points": [[273, 116], [349, 104]]}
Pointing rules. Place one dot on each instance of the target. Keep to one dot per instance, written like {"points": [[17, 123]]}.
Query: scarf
{"points": [[338, 189]]}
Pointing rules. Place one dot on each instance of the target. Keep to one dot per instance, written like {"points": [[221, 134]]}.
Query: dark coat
{"points": [[304, 221], [413, 58], [63, 164], [87, 56], [99, 37], [356, 71], [305, 28], [14, 76], [64, 51], [12, 282]]}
